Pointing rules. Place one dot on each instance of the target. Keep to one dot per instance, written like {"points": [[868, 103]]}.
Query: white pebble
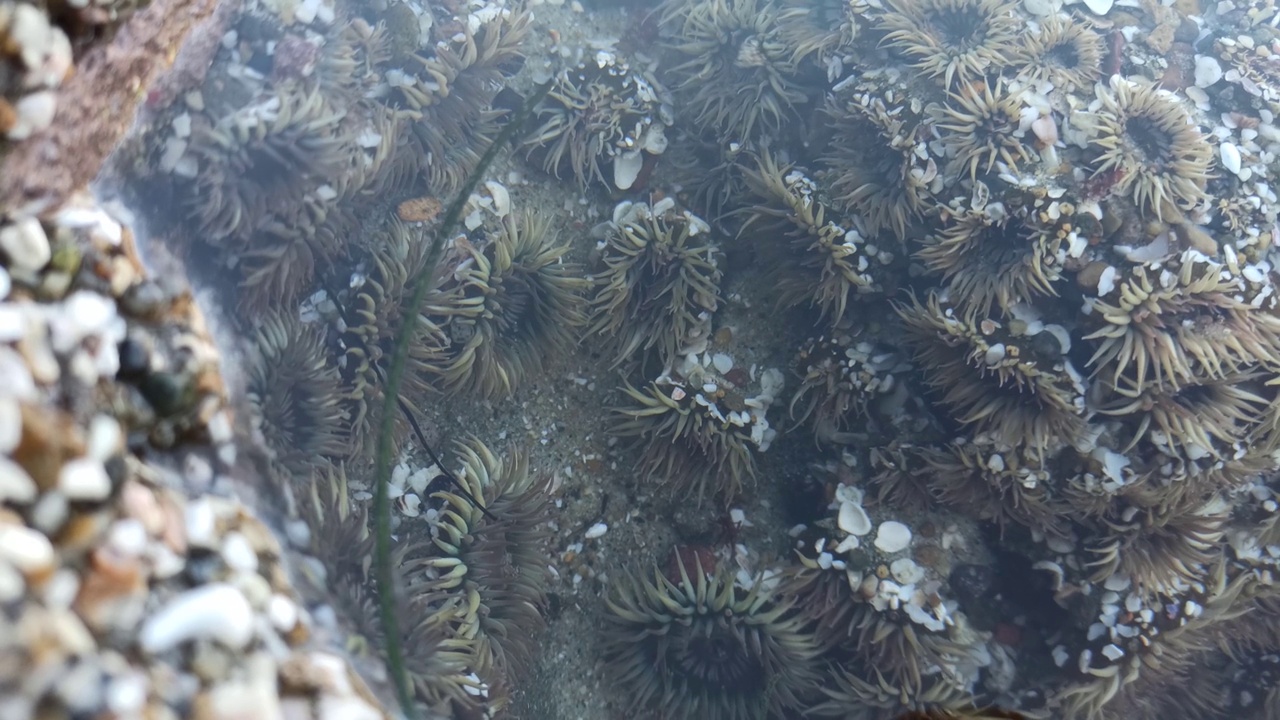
{"points": [[626, 168], [16, 486], [853, 519], [597, 530], [893, 536], [283, 613], [105, 438], [84, 479], [201, 524], [1208, 71], [35, 113], [25, 549], [238, 553], [1099, 7], [906, 571], [127, 537], [216, 612], [1230, 156], [26, 245], [722, 362]]}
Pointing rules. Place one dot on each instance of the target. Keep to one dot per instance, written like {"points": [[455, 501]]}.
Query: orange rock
{"points": [[422, 209]]}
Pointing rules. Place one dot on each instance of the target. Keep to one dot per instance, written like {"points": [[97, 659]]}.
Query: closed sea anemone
{"points": [[841, 375], [695, 645], [1065, 53], [698, 434], [980, 126], [519, 304], [874, 168], [599, 114], [1185, 318], [295, 393], [957, 40], [819, 261], [991, 383], [495, 565], [1146, 139], [995, 484], [996, 261], [660, 282], [732, 69]]}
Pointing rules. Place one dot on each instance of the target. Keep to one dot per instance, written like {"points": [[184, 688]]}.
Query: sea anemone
{"points": [[733, 70], [493, 565], [1065, 53], [954, 39], [840, 376], [1003, 261], [995, 484], [900, 478], [1160, 549], [660, 282], [698, 436], [600, 113], [818, 260], [261, 158], [374, 315], [874, 166], [851, 696], [1201, 418], [518, 304], [699, 645], [817, 29], [437, 663], [280, 262], [1145, 137], [1180, 320], [1025, 395], [981, 124], [296, 394]]}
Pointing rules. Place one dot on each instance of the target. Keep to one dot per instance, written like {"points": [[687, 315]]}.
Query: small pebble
{"points": [[27, 550], [214, 612], [84, 479], [25, 245], [893, 536], [16, 485], [597, 530]]}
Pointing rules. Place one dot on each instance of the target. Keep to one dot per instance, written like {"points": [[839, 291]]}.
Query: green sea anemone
{"points": [[1147, 139], [980, 125], [696, 645], [517, 305], [1066, 53], [1159, 549], [1006, 261], [659, 285], [734, 73], [818, 29], [296, 394], [819, 260], [957, 40]]}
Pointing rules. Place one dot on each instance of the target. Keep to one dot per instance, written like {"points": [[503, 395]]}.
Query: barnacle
{"points": [[696, 436], [874, 165], [518, 305], [1003, 261], [819, 261], [733, 70], [1145, 136], [295, 393], [599, 113], [1184, 319], [980, 125], [953, 39], [492, 568], [1065, 53], [659, 285], [263, 157], [1160, 548], [817, 29], [1025, 395], [697, 645]]}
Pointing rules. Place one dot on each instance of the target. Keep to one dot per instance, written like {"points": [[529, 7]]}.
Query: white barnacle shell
{"points": [[893, 536]]}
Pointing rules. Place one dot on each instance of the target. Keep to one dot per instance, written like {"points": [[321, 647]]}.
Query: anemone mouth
{"points": [[957, 40], [1146, 136], [715, 657], [995, 263]]}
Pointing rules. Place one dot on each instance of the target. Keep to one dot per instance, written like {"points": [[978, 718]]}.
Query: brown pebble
{"points": [[8, 116], [738, 377], [49, 439], [422, 209], [1088, 278], [724, 336]]}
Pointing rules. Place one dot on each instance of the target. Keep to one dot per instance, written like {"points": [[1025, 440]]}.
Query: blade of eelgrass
{"points": [[383, 575]]}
